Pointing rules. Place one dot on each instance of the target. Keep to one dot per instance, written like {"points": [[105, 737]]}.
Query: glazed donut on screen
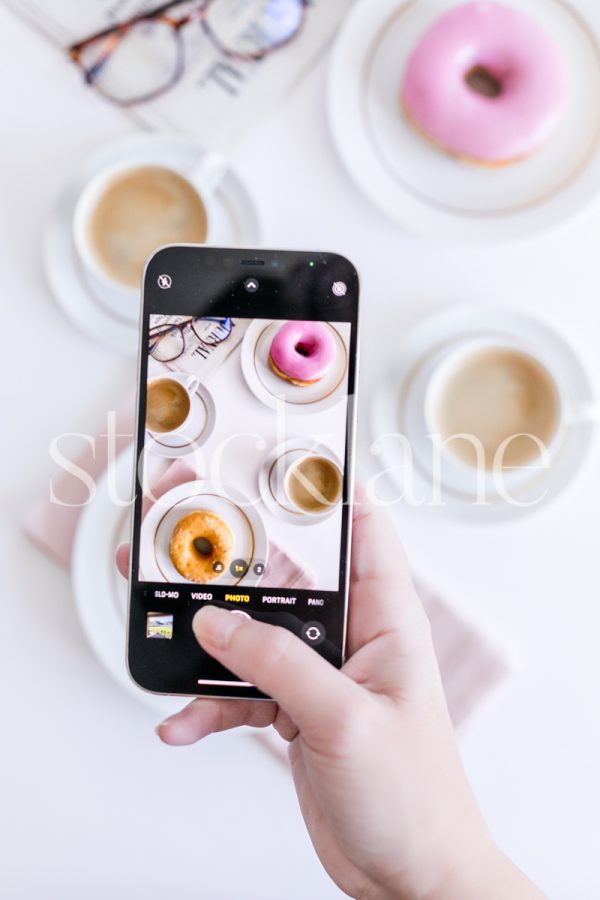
{"points": [[302, 352], [201, 546]]}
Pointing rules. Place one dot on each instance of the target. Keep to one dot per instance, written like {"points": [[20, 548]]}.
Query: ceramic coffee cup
{"points": [[488, 413], [170, 408], [309, 483], [130, 209]]}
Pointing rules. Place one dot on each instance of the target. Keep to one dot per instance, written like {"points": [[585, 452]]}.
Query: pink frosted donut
{"points": [[302, 352], [486, 83]]}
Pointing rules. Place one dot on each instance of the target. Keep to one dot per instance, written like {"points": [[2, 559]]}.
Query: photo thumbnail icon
{"points": [[159, 625]]}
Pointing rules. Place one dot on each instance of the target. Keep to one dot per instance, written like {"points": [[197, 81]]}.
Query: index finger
{"points": [[382, 594]]}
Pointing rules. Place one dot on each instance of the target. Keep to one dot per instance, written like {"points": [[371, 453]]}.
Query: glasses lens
{"points": [[167, 345], [251, 27], [212, 331], [136, 64]]}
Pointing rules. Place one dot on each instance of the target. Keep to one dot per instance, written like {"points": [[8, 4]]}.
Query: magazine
{"points": [[204, 346], [218, 99]]}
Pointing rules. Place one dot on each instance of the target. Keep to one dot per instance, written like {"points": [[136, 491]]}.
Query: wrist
{"points": [[438, 876], [486, 875]]}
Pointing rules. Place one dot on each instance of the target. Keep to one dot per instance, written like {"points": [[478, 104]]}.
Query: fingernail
{"points": [[158, 730], [164, 722], [215, 626]]}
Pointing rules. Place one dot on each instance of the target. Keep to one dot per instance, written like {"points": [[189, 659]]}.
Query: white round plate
{"points": [[100, 592], [204, 415], [271, 390], [251, 542], [266, 474], [392, 392], [239, 224], [429, 191]]}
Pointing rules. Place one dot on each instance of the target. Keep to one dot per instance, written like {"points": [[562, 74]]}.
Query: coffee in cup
{"points": [[313, 484], [138, 210], [129, 210], [167, 405], [496, 394]]}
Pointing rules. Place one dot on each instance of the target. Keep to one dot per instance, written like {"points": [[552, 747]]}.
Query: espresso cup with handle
{"points": [[170, 408], [130, 209], [497, 408], [310, 483]]}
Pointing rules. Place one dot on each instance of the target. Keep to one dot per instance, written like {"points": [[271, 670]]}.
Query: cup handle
{"points": [[208, 173], [192, 384]]}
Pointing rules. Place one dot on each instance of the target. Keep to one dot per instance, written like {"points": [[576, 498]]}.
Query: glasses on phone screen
{"points": [[140, 59], [167, 342]]}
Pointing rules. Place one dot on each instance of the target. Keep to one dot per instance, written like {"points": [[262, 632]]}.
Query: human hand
{"points": [[376, 768]]}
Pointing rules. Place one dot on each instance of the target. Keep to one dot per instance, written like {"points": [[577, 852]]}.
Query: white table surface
{"points": [[92, 804]]}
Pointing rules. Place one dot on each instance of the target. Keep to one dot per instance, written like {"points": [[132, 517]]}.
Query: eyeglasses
{"points": [[167, 342], [143, 57]]}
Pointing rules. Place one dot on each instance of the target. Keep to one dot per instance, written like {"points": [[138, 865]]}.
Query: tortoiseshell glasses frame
{"points": [[109, 39]]}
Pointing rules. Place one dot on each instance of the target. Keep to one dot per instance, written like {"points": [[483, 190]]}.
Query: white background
{"points": [[92, 805]]}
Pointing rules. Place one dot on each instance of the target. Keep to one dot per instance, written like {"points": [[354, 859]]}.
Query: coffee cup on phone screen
{"points": [[169, 408], [308, 483]]}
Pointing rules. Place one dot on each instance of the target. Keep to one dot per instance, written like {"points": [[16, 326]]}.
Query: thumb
{"points": [[315, 695], [122, 559]]}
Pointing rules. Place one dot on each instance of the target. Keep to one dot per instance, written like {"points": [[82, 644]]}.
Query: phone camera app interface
{"points": [[242, 468]]}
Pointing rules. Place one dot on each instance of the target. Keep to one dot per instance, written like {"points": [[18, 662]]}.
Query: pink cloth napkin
{"points": [[53, 525], [472, 664]]}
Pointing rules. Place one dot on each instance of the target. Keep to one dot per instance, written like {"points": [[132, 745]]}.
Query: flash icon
{"points": [[165, 282]]}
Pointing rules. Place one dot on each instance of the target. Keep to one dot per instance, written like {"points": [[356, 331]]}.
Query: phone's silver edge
{"points": [[138, 387], [351, 430]]}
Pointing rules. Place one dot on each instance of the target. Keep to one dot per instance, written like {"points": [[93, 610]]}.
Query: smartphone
{"points": [[244, 455]]}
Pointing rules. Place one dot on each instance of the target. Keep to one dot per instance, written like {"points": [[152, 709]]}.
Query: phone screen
{"points": [[244, 454]]}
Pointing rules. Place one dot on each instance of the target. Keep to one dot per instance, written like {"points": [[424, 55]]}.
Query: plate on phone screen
{"points": [[271, 390], [251, 542]]}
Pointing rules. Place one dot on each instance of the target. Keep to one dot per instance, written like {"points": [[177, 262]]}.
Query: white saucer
{"points": [[198, 431], [251, 542], [427, 190], [271, 390], [239, 222], [267, 488], [100, 592], [390, 403]]}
